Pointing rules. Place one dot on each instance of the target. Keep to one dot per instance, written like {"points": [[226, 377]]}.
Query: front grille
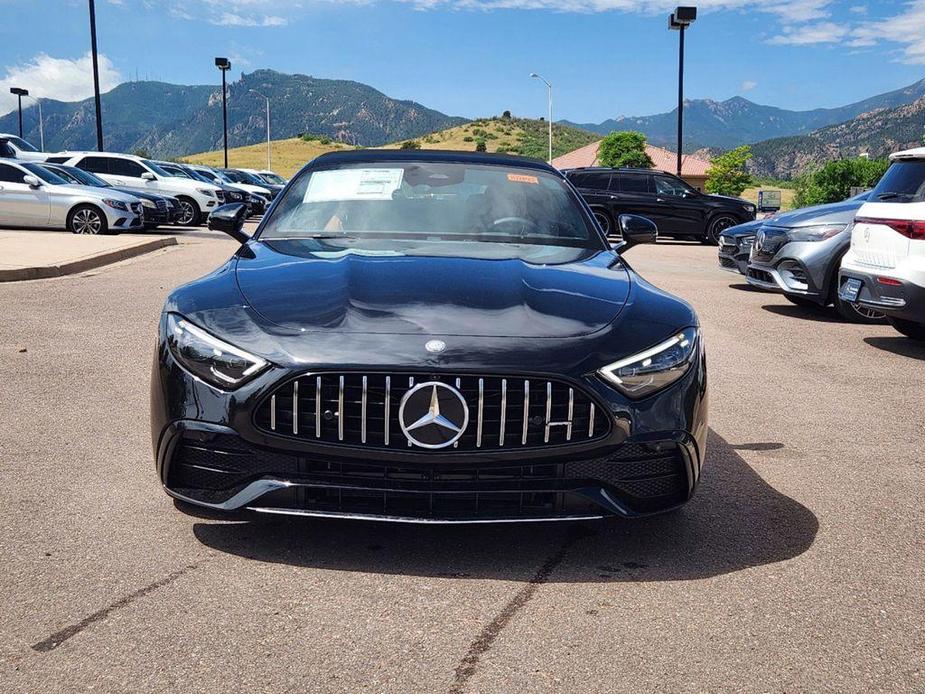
{"points": [[645, 477], [354, 409], [136, 207], [727, 262]]}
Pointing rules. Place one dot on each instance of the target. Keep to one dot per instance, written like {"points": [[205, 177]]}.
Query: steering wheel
{"points": [[523, 221]]}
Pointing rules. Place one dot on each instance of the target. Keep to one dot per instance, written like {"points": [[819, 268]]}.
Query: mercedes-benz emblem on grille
{"points": [[435, 346], [433, 415]]}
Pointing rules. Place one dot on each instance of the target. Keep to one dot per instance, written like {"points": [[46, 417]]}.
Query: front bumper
{"points": [[800, 268], [904, 300], [210, 453], [733, 253]]}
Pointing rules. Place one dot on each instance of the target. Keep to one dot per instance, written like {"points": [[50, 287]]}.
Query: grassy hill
{"points": [[522, 136]]}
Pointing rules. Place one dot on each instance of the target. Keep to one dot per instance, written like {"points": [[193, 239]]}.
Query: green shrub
{"points": [[468, 138], [480, 146], [411, 144], [834, 181], [727, 174]]}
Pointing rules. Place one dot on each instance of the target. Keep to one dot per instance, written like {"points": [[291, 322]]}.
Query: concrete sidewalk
{"points": [[31, 255]]}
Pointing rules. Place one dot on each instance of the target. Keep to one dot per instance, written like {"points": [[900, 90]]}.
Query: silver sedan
{"points": [[31, 196]]}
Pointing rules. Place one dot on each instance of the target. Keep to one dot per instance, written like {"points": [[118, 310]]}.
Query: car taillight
{"points": [[912, 229], [889, 282]]}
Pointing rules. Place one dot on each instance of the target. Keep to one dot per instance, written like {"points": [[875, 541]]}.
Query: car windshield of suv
{"points": [[45, 174], [904, 181], [249, 178], [273, 179], [233, 176], [174, 171], [86, 178], [21, 144], [222, 176], [156, 168], [384, 205]]}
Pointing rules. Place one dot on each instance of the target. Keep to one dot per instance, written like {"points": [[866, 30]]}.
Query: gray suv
{"points": [[798, 254]]}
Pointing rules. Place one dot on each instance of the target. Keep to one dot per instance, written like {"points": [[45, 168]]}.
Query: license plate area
{"points": [[850, 290]]}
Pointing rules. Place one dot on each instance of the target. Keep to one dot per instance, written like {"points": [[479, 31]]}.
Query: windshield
{"points": [[45, 174], [175, 171], [374, 205], [273, 179], [249, 178], [156, 169], [222, 175], [199, 176], [85, 177], [66, 175], [21, 144], [904, 181], [233, 176]]}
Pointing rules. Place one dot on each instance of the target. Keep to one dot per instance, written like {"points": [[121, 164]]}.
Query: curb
{"points": [[82, 265]]}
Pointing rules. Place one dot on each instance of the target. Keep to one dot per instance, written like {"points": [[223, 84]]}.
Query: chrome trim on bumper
{"points": [[414, 521]]}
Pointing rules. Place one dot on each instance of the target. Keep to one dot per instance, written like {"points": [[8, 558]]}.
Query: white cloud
{"points": [[233, 19], [822, 32], [748, 85], [905, 29], [56, 78]]}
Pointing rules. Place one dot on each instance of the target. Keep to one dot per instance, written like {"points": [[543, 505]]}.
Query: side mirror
{"points": [[148, 176], [229, 219], [32, 181], [688, 194], [636, 230]]}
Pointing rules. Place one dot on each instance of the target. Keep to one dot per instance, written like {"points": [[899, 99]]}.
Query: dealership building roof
{"points": [[662, 159]]}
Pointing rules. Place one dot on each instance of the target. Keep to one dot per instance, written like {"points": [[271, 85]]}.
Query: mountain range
{"points": [[168, 120], [737, 121]]}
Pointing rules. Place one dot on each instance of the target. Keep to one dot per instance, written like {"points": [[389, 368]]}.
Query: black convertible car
{"points": [[429, 337]]}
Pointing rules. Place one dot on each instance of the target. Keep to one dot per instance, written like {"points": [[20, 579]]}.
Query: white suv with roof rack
{"points": [[17, 148], [197, 199], [885, 267]]}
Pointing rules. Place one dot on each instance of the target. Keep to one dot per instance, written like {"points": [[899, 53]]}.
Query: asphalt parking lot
{"points": [[800, 565]]}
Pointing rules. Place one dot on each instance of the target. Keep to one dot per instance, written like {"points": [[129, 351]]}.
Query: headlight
{"points": [[647, 372], [205, 191], [749, 208], [148, 203], [116, 204], [818, 232], [205, 356]]}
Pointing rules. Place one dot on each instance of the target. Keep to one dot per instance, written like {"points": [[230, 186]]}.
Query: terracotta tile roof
{"points": [[663, 159]]}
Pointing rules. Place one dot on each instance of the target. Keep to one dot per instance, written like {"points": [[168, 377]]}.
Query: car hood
{"points": [[728, 199], [562, 293], [98, 193], [835, 213]]}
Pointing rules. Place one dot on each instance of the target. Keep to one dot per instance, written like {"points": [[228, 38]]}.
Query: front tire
{"points": [[801, 301], [87, 219], [910, 329], [716, 226], [190, 216]]}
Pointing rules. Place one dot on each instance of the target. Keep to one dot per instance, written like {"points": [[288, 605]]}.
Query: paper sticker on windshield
{"points": [[353, 184], [523, 178]]}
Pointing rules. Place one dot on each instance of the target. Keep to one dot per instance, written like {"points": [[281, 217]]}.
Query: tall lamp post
{"points": [[224, 65], [268, 123], [41, 122], [96, 79], [20, 93], [680, 19], [549, 92]]}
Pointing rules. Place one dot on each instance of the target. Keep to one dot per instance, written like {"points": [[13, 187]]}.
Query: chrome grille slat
{"points": [[365, 407], [523, 438], [295, 407]]}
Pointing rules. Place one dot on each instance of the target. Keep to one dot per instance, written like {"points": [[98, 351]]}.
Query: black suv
{"points": [[676, 208]]}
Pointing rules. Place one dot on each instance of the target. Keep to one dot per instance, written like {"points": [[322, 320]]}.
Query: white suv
{"points": [[196, 198], [16, 148], [885, 267]]}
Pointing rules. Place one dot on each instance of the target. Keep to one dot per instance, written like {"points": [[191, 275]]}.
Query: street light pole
{"points": [[20, 93], [680, 19], [96, 78], [224, 65], [41, 123], [549, 94], [268, 125]]}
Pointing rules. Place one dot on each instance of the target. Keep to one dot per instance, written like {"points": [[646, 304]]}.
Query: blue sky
{"points": [[473, 57]]}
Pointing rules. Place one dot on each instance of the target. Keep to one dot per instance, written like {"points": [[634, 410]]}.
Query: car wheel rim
{"points": [[720, 225], [187, 215], [87, 222], [869, 313], [603, 221]]}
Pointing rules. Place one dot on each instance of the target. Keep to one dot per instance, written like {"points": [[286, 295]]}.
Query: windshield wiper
{"points": [[891, 196], [313, 237]]}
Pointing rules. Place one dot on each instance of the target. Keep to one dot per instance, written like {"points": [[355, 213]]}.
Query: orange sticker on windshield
{"points": [[523, 178]]}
